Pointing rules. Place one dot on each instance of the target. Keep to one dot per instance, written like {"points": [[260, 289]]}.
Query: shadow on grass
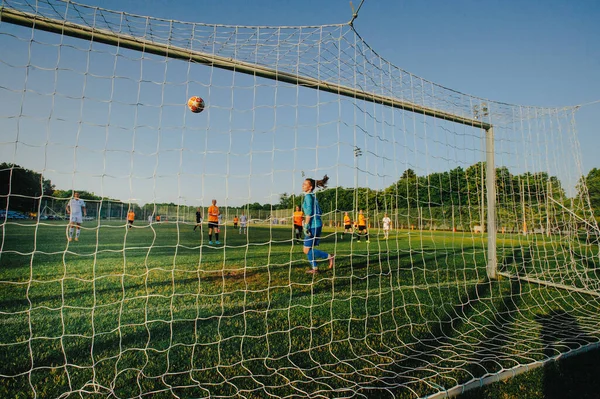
{"points": [[573, 377], [570, 377], [520, 258], [446, 354]]}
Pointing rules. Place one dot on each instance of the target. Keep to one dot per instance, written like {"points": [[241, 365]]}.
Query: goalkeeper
{"points": [[313, 224]]}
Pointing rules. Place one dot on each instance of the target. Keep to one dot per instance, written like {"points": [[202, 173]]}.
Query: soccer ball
{"points": [[195, 104]]}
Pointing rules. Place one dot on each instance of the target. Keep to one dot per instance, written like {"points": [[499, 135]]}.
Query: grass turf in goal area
{"points": [[154, 310]]}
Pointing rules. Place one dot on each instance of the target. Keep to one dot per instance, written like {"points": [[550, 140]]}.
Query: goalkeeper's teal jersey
{"points": [[311, 208]]}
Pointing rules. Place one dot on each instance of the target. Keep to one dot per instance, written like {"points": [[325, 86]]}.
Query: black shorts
{"points": [[213, 225], [298, 227], [130, 221], [347, 226], [235, 225], [361, 228]]}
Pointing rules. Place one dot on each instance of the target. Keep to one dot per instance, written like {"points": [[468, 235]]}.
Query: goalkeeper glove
{"points": [[305, 230]]}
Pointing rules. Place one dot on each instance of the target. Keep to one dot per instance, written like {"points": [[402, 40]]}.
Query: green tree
{"points": [[475, 183], [590, 185], [22, 189], [286, 201], [405, 192], [254, 206], [458, 186]]}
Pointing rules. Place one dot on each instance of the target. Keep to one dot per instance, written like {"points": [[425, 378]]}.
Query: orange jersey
{"points": [[235, 220], [347, 220], [213, 214], [130, 215], [361, 220], [298, 217]]}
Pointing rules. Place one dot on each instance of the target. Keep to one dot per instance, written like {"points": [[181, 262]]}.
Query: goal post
{"points": [[490, 175]]}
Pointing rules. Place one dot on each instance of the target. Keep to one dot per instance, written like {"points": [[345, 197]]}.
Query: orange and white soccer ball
{"points": [[195, 104]]}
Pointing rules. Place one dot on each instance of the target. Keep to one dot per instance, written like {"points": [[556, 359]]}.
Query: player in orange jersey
{"points": [[347, 225], [362, 226], [130, 218], [213, 222], [298, 221]]}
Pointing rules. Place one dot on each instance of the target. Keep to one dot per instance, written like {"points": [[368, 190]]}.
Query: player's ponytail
{"points": [[318, 183], [323, 182]]}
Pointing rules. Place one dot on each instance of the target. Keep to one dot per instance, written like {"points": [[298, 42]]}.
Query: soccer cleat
{"points": [[76, 239], [210, 243], [217, 242], [70, 239]]}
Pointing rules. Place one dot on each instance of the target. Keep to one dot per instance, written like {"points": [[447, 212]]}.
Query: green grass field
{"points": [[156, 312]]}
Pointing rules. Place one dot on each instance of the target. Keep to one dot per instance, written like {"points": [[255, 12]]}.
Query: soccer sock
{"points": [[77, 232], [317, 253], [217, 236], [367, 236], [210, 237], [71, 232], [311, 258]]}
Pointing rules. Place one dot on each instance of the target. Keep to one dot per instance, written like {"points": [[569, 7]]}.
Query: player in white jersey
{"points": [[76, 210], [243, 222], [387, 222]]}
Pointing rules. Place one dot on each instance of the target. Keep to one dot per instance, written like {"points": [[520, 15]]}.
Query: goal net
{"points": [[462, 239]]}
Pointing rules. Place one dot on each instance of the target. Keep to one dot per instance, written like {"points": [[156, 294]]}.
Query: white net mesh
{"points": [[156, 310]]}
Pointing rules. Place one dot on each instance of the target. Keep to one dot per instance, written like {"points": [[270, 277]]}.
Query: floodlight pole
{"points": [[357, 153], [492, 264]]}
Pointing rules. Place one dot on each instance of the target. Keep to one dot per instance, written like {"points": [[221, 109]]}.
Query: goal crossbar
{"points": [[135, 43]]}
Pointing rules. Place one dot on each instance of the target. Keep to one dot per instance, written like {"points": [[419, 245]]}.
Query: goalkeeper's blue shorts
{"points": [[313, 239]]}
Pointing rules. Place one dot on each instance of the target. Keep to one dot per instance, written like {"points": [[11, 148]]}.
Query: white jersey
{"points": [[386, 223], [76, 206], [243, 220]]}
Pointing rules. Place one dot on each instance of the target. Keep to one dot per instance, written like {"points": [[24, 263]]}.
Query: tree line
{"points": [[461, 187], [25, 190]]}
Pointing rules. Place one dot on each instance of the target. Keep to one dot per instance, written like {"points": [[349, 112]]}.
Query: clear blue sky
{"points": [[541, 53]]}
